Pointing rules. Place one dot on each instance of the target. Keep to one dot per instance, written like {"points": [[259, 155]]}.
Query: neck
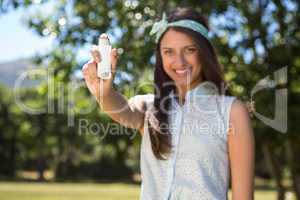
{"points": [[181, 90]]}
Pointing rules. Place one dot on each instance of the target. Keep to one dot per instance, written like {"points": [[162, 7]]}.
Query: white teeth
{"points": [[181, 71]]}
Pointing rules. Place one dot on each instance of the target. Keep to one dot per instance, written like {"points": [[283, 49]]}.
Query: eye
{"points": [[190, 50], [168, 52]]}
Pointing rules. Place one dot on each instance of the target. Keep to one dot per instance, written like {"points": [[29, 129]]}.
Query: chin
{"points": [[182, 81]]}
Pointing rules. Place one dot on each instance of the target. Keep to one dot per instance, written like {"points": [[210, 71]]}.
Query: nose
{"points": [[180, 60]]}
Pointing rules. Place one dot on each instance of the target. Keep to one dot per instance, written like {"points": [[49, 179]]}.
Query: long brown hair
{"points": [[161, 140]]}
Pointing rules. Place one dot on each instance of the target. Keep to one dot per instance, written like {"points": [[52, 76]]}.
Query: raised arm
{"points": [[128, 113], [112, 102], [241, 152]]}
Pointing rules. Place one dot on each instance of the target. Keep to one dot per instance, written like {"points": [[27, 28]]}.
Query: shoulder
{"points": [[233, 105], [238, 111], [240, 123]]}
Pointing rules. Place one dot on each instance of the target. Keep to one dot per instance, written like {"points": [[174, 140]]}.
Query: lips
{"points": [[182, 71]]}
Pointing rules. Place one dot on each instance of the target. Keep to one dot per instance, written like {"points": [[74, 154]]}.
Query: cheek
{"points": [[194, 60], [167, 64], [197, 69]]}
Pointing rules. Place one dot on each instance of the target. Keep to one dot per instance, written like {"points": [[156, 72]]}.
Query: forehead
{"points": [[174, 39]]}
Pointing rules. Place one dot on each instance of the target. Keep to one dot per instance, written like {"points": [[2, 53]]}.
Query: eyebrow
{"points": [[191, 45]]}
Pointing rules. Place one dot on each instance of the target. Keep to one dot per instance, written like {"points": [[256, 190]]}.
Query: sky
{"points": [[17, 40]]}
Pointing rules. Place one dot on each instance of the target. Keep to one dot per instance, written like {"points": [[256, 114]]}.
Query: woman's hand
{"points": [[89, 71]]}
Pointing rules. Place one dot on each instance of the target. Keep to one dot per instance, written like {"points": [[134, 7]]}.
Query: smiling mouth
{"points": [[182, 71]]}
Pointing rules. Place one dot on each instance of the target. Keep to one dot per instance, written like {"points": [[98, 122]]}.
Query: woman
{"points": [[194, 138]]}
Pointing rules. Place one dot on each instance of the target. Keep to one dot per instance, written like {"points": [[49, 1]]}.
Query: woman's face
{"points": [[180, 57]]}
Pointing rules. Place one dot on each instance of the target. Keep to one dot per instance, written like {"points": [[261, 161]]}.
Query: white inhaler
{"points": [[104, 67]]}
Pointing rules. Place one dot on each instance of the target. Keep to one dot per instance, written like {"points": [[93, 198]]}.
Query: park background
{"points": [[45, 154]]}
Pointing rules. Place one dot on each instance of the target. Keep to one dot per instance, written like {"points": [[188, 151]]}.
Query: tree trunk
{"points": [[12, 170], [291, 162], [41, 166], [274, 169], [296, 184]]}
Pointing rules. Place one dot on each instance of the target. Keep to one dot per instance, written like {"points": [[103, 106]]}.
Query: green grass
{"points": [[67, 191], [83, 191]]}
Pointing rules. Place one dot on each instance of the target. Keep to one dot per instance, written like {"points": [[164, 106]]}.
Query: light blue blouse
{"points": [[198, 167]]}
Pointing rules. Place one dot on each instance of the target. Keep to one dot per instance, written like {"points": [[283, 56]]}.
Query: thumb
{"points": [[114, 59]]}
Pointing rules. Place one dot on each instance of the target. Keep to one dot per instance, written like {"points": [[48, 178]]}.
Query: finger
{"points": [[95, 53], [90, 67], [85, 67], [114, 59]]}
